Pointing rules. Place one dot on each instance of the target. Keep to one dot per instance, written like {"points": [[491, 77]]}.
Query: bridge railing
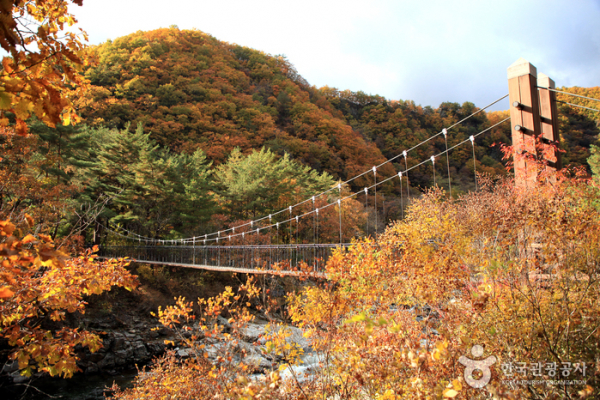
{"points": [[232, 257]]}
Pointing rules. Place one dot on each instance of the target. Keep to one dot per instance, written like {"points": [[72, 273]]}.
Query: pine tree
{"points": [[152, 191], [259, 183]]}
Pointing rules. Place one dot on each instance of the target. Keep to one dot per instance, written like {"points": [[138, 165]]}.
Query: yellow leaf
{"points": [[357, 318], [586, 392], [457, 385], [23, 109], [5, 100], [450, 393]]}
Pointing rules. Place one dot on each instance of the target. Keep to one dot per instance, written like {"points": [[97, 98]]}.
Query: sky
{"points": [[428, 51]]}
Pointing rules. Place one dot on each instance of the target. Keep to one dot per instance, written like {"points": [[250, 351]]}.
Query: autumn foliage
{"points": [[42, 76], [510, 269], [39, 284]]}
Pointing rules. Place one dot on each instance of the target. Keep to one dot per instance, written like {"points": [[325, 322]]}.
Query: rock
{"points": [[153, 334], [124, 356], [245, 348], [277, 291], [18, 378], [92, 369], [120, 358], [106, 344], [140, 352], [257, 362], [297, 337], [10, 367], [132, 336], [223, 322], [119, 342], [107, 362], [252, 332], [96, 357], [214, 350], [156, 347], [185, 353], [164, 331]]}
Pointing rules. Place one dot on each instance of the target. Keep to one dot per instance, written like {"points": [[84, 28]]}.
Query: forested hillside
{"points": [[190, 91]]}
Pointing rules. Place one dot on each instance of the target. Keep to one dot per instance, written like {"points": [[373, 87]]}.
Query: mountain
{"points": [[191, 91]]}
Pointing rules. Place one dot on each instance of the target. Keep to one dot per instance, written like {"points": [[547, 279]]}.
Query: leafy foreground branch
{"points": [[513, 271], [39, 285]]}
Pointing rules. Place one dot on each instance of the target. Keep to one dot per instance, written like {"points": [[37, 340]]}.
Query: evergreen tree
{"points": [[59, 147], [258, 183], [151, 190]]}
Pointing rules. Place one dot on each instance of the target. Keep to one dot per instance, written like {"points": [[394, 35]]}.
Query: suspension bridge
{"points": [[271, 244]]}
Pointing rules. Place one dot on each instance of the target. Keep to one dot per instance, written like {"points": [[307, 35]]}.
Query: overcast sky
{"points": [[424, 50]]}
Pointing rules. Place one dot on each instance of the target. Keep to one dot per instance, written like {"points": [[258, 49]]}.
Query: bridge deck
{"points": [[230, 269], [250, 259]]}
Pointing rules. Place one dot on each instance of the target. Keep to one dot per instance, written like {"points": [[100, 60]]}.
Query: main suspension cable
{"points": [[568, 93], [403, 153]]}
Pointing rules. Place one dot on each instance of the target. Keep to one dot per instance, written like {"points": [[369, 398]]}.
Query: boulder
{"points": [[18, 378], [185, 353], [107, 362], [95, 357], [123, 356], [140, 353], [214, 350], [119, 342], [297, 337], [252, 332], [156, 347], [224, 323], [257, 362], [10, 367], [91, 369]]}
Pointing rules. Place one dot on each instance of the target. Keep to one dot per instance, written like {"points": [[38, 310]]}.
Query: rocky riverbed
{"points": [[124, 349], [123, 320]]}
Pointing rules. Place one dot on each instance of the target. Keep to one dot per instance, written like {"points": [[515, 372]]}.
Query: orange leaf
{"points": [[28, 239], [30, 220], [7, 228], [5, 292]]}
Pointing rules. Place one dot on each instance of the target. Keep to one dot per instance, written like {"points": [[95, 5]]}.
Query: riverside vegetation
{"points": [[182, 134]]}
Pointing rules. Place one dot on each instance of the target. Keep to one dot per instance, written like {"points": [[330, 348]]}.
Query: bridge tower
{"points": [[534, 124]]}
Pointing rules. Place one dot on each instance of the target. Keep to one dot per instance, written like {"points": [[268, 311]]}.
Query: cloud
{"points": [[429, 52]]}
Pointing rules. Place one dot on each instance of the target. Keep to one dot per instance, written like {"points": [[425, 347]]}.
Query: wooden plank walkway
{"points": [[319, 275]]}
